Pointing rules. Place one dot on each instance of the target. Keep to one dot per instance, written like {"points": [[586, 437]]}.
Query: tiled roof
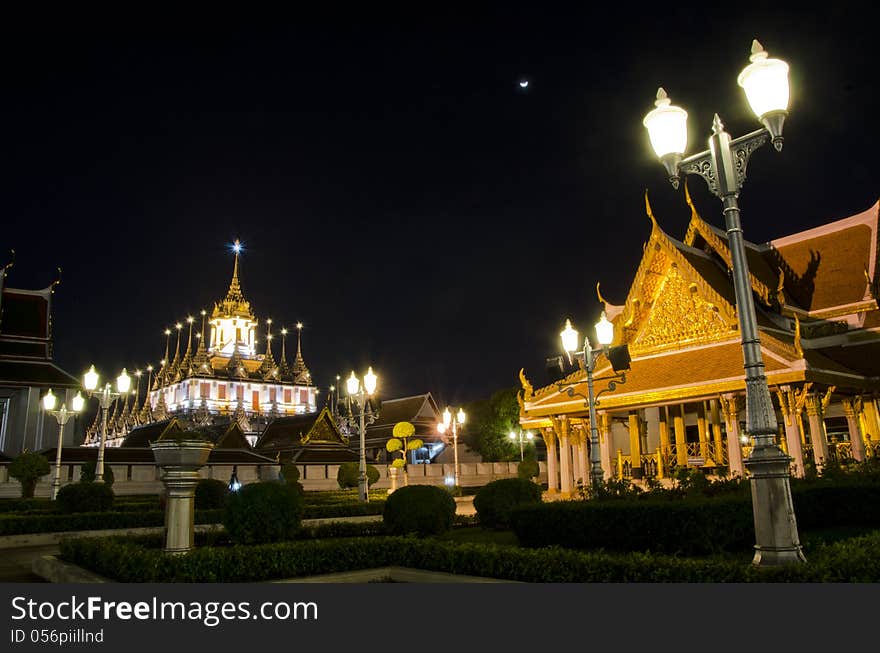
{"points": [[144, 455]]}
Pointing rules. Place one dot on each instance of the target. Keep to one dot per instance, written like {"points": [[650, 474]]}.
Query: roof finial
{"points": [[650, 212], [11, 262], [602, 300]]}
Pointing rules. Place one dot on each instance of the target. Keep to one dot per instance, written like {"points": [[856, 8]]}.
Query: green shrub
{"points": [[27, 468], [494, 501], [348, 474], [85, 497], [528, 469], [420, 509], [289, 473], [88, 521], [211, 493], [87, 472], [263, 512]]}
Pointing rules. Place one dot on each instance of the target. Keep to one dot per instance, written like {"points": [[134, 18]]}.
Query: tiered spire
{"points": [[186, 363], [235, 367], [144, 415], [201, 363], [301, 373], [174, 371], [269, 369], [283, 369], [162, 374], [234, 303]]}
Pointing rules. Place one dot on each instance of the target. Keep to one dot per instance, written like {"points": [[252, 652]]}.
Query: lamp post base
{"points": [[776, 535]]}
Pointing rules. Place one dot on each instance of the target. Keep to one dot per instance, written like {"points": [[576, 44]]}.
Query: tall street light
{"points": [[106, 397], [360, 408], [723, 166], [454, 424], [570, 343], [529, 437], [62, 416]]}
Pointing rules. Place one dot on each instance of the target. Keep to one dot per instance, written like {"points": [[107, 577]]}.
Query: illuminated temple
{"points": [[220, 378], [683, 400]]}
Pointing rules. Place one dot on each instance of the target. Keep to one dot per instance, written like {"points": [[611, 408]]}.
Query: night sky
{"points": [[396, 189]]}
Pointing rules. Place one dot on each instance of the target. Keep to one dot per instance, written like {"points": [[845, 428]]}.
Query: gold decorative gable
{"points": [[679, 315], [324, 430]]}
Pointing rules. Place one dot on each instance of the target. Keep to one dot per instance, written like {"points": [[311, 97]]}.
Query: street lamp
{"points": [[723, 166], [106, 397], [529, 437], [361, 411], [570, 343], [448, 423], [62, 416]]}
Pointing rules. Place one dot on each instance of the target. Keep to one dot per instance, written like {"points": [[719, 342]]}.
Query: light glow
{"points": [[447, 416], [352, 384], [123, 382], [569, 337], [78, 402], [667, 126], [765, 82], [49, 400], [460, 416], [370, 381], [604, 331], [90, 380]]}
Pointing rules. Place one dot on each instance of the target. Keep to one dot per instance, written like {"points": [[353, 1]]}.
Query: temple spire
{"points": [[163, 366], [269, 368], [145, 414], [234, 292], [174, 370], [186, 364], [201, 363], [301, 373]]}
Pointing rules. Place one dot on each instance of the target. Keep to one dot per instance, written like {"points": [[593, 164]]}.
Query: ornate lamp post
{"points": [[62, 416], [570, 342], [362, 413], [723, 166], [454, 424], [529, 437], [106, 397]]}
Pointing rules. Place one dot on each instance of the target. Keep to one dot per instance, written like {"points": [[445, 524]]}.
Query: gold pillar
{"points": [[791, 402], [730, 410], [564, 456], [851, 408], [635, 444], [872, 419], [816, 405], [664, 433], [620, 463], [681, 454], [552, 467], [605, 448], [715, 420]]}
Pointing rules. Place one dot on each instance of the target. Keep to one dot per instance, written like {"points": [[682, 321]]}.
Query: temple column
{"points": [[872, 421], [816, 404], [583, 467], [791, 404], [851, 409], [703, 431], [664, 435], [574, 441], [605, 453], [681, 453], [564, 456], [635, 444], [715, 421], [552, 467], [730, 409]]}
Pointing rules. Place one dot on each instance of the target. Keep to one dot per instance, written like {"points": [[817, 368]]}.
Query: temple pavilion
{"points": [[220, 378], [682, 403]]}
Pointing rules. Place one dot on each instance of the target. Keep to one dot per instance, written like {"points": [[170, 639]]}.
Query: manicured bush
{"points": [[420, 509], [494, 501], [528, 469], [87, 472], [27, 505], [87, 521], [348, 474], [27, 468], [85, 497], [211, 493], [311, 511], [263, 512], [289, 473]]}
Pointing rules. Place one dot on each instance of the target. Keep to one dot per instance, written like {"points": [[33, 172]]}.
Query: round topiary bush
{"points": [[528, 469], [263, 512], [347, 476], [494, 501], [211, 493], [85, 497], [27, 468], [87, 473], [420, 509], [289, 473]]}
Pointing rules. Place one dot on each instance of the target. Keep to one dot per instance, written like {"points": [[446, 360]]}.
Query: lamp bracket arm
{"points": [[613, 382]]}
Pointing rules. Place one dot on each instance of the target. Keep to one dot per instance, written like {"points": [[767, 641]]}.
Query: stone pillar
{"points": [[564, 456], [703, 431], [583, 465], [605, 449], [552, 467], [635, 444], [851, 407], [664, 435], [815, 415], [681, 453], [392, 476], [715, 421], [791, 412], [730, 409]]}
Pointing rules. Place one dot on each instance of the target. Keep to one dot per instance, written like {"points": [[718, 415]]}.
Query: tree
{"points": [[401, 442], [490, 422], [27, 468]]}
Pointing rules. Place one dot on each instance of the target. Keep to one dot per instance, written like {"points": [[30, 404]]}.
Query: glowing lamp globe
{"points": [[569, 337], [530, 435], [765, 82], [441, 428], [604, 331], [370, 380], [49, 400], [352, 384], [447, 417], [667, 126], [90, 379], [78, 402], [512, 435], [123, 382], [461, 416]]}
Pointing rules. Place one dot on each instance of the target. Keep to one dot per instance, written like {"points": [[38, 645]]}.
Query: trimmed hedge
{"points": [[85, 497], [494, 501], [420, 509], [263, 512], [349, 473], [93, 521], [343, 510], [211, 493], [142, 560]]}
